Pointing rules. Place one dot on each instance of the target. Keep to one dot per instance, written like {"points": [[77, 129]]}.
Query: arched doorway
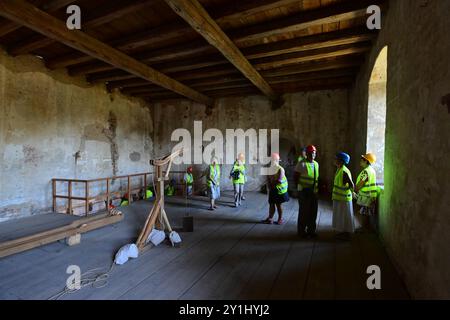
{"points": [[376, 113]]}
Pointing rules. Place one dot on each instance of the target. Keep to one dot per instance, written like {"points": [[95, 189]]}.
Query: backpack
{"points": [[236, 174]]}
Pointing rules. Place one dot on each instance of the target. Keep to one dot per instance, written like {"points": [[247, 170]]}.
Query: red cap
{"points": [[311, 149]]}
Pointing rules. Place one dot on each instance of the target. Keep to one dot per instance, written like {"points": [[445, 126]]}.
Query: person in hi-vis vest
{"points": [[213, 182], [343, 219], [366, 190], [188, 179], [307, 176], [238, 177], [278, 191]]}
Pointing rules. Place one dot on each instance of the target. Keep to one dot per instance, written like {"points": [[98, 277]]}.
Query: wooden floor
{"points": [[230, 255]]}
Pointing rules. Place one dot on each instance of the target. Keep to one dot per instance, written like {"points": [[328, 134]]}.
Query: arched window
{"points": [[376, 116]]}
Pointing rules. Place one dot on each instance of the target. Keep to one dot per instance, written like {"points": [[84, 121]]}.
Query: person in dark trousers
{"points": [[307, 175], [277, 185]]}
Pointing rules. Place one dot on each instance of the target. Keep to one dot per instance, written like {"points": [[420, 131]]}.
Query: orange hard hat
{"points": [[370, 157]]}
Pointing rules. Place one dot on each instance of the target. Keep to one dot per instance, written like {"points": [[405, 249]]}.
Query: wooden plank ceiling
{"points": [[200, 49]]}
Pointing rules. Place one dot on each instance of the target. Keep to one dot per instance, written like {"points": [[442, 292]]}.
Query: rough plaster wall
{"points": [[376, 126], [318, 117], [414, 214], [46, 118]]}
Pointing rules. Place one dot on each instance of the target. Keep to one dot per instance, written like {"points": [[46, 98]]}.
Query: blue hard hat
{"points": [[344, 157]]}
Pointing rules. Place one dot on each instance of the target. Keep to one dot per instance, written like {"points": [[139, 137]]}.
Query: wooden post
{"points": [[145, 186], [69, 194], [54, 194], [107, 194], [129, 190], [87, 198], [159, 194]]}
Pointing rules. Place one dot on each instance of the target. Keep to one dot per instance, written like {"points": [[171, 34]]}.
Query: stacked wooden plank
{"points": [[39, 239]]}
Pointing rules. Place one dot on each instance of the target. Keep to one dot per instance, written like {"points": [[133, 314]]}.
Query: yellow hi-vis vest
{"points": [[342, 192], [241, 169], [189, 178], [306, 181], [282, 187], [370, 189], [214, 175]]}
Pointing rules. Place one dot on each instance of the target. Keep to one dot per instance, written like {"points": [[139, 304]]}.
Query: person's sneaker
{"points": [[215, 207], [211, 209], [243, 198], [235, 205], [279, 222], [267, 221]]}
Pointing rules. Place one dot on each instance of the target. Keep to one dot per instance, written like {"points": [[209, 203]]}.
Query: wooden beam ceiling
{"points": [[325, 40], [101, 15], [28, 15], [194, 14], [50, 7]]}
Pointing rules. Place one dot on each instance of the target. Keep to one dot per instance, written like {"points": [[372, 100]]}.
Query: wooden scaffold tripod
{"points": [[158, 211]]}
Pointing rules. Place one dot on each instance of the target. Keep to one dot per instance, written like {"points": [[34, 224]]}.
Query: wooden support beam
{"points": [[318, 41], [77, 227], [51, 7], [39, 21], [317, 54], [334, 13], [193, 13], [99, 16]]}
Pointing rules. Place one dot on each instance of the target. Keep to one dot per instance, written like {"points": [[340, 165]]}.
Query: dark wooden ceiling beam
{"points": [[193, 13], [337, 12], [282, 47], [100, 16], [24, 13], [51, 7], [221, 15]]}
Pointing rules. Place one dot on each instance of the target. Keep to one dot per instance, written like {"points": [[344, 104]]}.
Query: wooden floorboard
{"points": [[230, 255]]}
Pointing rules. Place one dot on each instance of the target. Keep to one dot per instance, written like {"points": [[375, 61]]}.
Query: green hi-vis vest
{"points": [[282, 187], [170, 190], [342, 192], [306, 180], [214, 175], [124, 203], [241, 169], [148, 194], [370, 189], [189, 178]]}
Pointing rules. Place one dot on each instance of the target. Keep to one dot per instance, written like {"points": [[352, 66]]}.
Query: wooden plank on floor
{"points": [[392, 287], [291, 280], [320, 282], [180, 274], [230, 274]]}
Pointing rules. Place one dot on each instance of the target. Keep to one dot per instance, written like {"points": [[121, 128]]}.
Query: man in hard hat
{"points": [[188, 179], [307, 175], [343, 219], [366, 190], [213, 182], [237, 175], [278, 191]]}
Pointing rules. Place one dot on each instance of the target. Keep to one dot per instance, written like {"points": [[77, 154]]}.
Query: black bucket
{"points": [[188, 224]]}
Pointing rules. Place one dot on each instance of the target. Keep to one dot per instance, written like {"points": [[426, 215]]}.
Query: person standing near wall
{"points": [[188, 179], [343, 219], [302, 156], [237, 175], [213, 182], [278, 191], [366, 190], [307, 175]]}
